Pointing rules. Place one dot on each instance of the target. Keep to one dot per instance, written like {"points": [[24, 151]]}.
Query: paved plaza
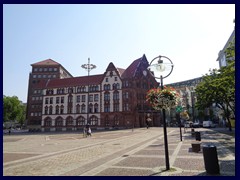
{"points": [[138, 152]]}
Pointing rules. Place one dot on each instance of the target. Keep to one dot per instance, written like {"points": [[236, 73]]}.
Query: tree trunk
{"points": [[229, 124]]}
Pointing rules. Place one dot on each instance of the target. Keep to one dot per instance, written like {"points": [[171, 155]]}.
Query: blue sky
{"points": [[190, 35]]}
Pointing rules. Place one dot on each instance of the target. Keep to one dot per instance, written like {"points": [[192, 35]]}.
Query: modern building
{"points": [[42, 73], [222, 58], [57, 101]]}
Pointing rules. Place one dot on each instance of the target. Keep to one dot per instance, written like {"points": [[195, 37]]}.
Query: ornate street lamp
{"points": [[88, 67], [161, 67]]}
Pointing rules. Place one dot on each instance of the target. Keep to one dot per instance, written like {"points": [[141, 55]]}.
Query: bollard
{"points": [[198, 136], [192, 132], [196, 147], [211, 159]]}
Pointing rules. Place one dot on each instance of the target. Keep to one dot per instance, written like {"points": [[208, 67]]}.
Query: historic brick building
{"points": [[57, 101]]}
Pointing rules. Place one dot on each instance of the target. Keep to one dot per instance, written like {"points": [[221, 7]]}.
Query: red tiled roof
{"points": [[46, 62], [41, 84], [76, 81]]}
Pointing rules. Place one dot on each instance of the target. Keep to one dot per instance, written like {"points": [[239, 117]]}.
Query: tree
{"points": [[218, 87], [13, 109]]}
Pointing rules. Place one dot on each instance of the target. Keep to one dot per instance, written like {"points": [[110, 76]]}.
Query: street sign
{"points": [[179, 108]]}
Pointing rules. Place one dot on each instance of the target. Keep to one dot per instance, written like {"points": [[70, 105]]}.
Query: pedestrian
{"points": [[9, 131], [89, 132], [84, 132]]}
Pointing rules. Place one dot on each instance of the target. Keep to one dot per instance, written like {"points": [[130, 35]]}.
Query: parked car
{"points": [[209, 124], [196, 125]]}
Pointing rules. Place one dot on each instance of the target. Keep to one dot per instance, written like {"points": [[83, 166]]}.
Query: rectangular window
{"points": [[78, 98], [70, 99], [55, 69], [126, 107], [107, 108], [46, 101], [83, 98], [115, 107], [57, 100], [62, 99], [106, 79], [83, 109], [45, 69], [106, 97], [91, 98], [62, 109], [95, 97], [69, 110], [115, 78], [51, 100]]}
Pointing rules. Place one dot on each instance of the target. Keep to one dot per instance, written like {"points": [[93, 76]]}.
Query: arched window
{"points": [[57, 110], [46, 110], [59, 122], [69, 121], [95, 108], [90, 108], [80, 121], [94, 120], [77, 108], [118, 86], [47, 122], [116, 95], [83, 108], [62, 109], [70, 90], [50, 109]]}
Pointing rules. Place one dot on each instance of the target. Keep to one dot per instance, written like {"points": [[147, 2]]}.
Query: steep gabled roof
{"points": [[120, 71], [46, 62], [76, 81], [132, 69]]}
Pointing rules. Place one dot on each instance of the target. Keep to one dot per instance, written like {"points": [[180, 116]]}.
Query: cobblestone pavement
{"points": [[114, 153]]}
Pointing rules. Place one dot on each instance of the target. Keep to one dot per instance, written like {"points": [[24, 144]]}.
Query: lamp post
{"points": [[160, 70], [193, 104], [88, 67]]}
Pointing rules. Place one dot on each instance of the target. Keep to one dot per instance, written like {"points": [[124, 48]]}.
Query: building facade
{"points": [[57, 101], [222, 58]]}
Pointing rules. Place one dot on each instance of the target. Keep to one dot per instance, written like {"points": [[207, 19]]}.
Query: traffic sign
{"points": [[179, 108]]}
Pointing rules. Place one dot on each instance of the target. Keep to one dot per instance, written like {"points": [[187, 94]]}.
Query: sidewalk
{"points": [[149, 160], [117, 153]]}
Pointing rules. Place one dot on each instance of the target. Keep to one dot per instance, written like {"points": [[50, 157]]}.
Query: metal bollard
{"points": [[198, 136], [192, 132], [211, 159]]}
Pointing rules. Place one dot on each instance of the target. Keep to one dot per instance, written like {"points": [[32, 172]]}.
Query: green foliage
{"points": [[219, 87], [13, 109]]}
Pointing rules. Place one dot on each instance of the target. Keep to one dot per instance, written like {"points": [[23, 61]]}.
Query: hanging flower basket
{"points": [[162, 99]]}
